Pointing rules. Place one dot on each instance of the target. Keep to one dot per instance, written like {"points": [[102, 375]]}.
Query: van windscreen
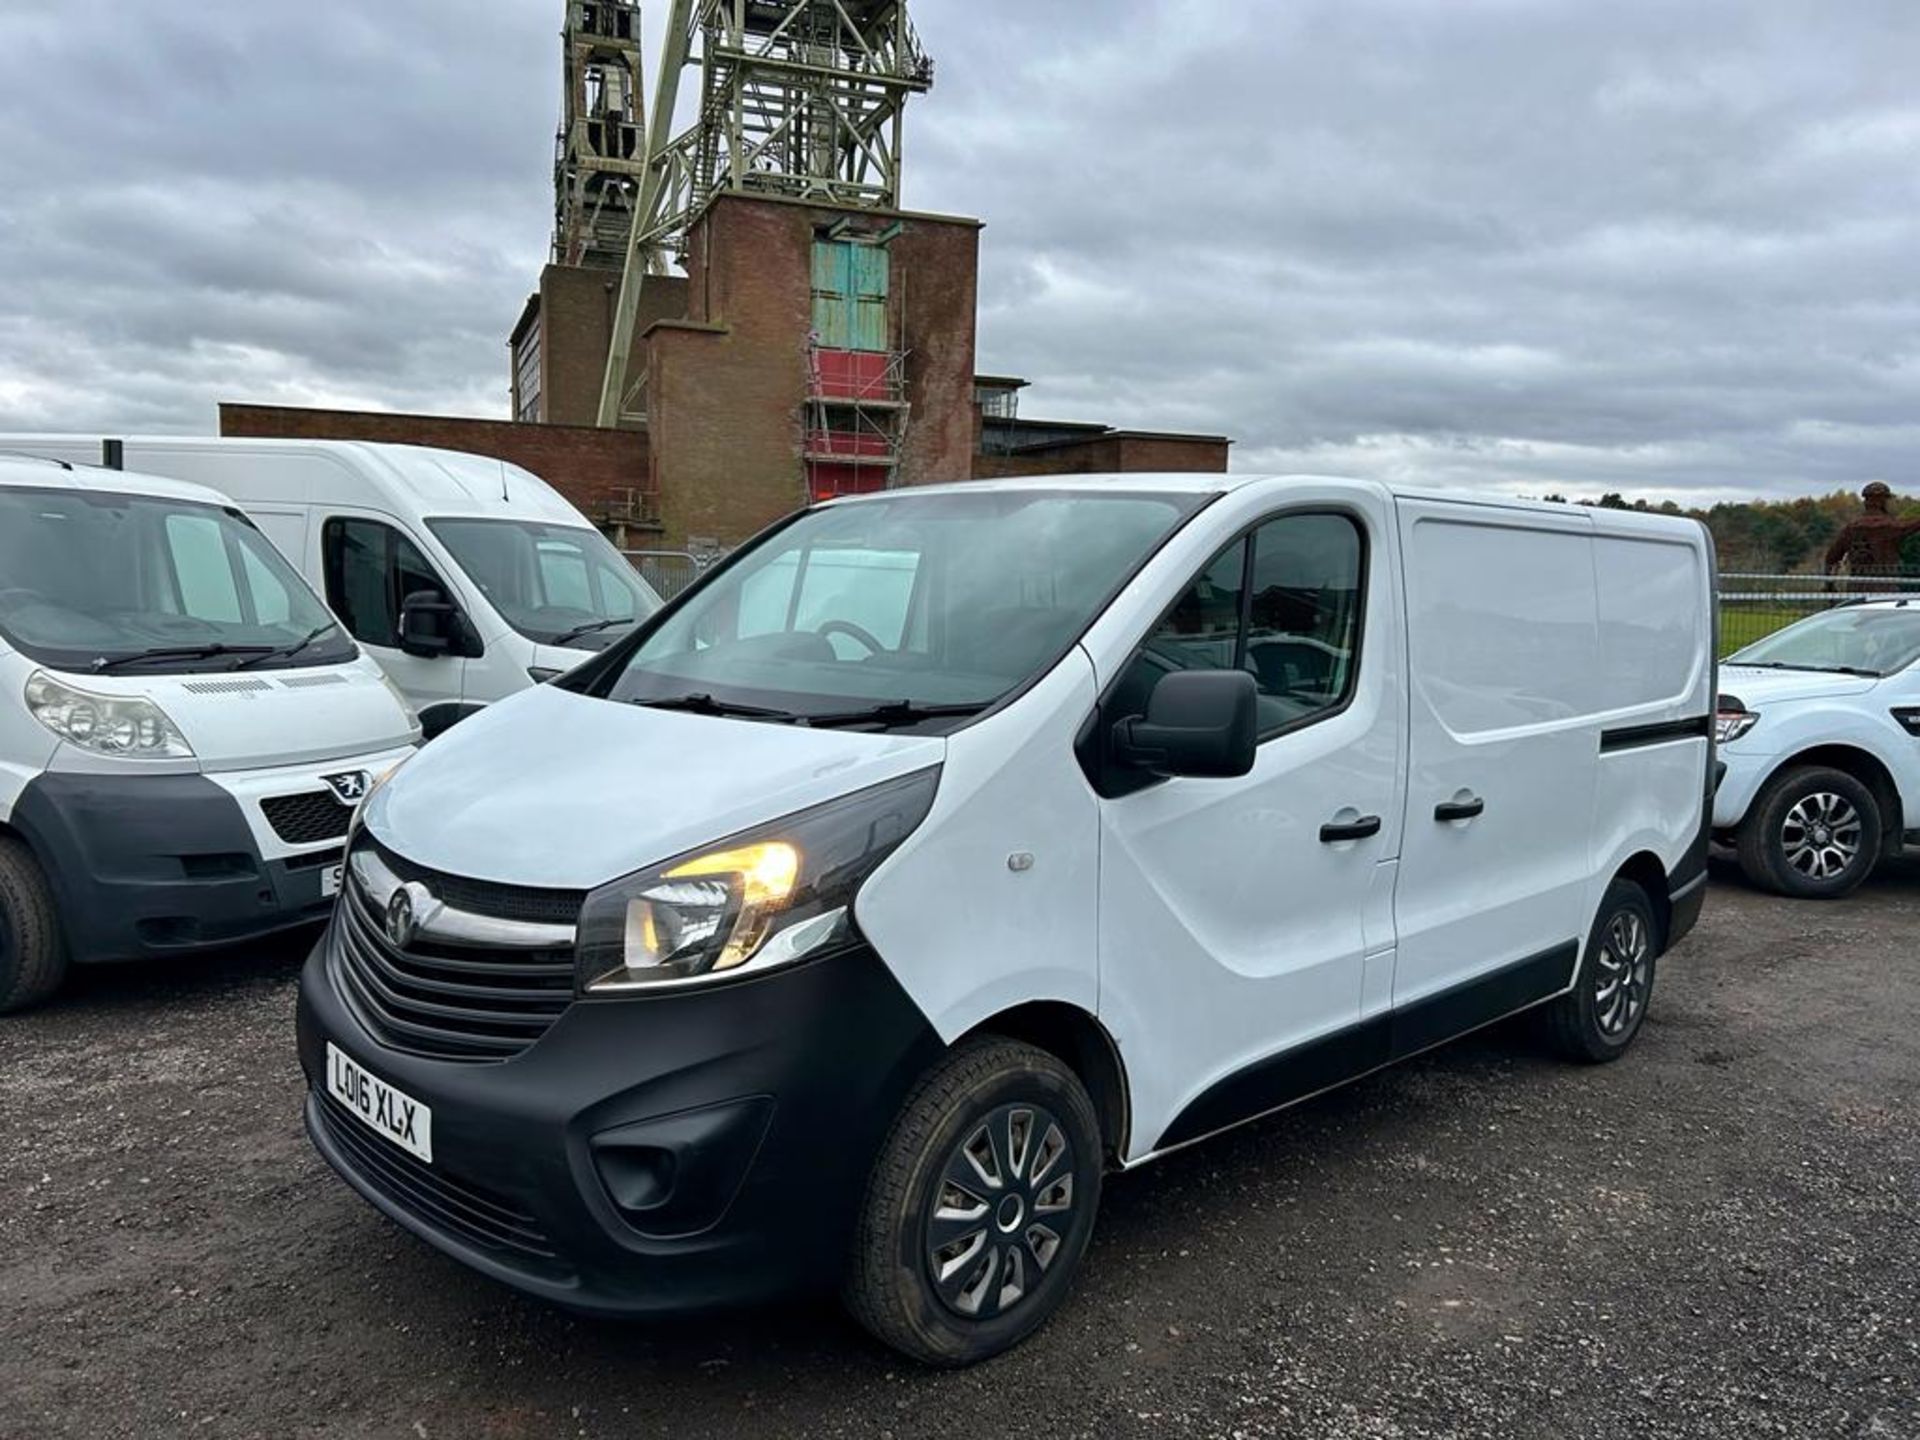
{"points": [[888, 608], [92, 581]]}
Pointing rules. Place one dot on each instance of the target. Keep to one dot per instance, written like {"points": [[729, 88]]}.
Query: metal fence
{"points": [[670, 571], [1754, 606]]}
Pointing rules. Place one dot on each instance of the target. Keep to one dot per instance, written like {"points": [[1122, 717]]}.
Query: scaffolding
{"points": [[800, 99], [600, 154], [857, 418]]}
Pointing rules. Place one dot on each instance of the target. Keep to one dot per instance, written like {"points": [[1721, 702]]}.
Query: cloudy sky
{"points": [[1669, 247]]}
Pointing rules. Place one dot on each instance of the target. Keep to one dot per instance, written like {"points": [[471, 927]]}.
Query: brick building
{"points": [[821, 341]]}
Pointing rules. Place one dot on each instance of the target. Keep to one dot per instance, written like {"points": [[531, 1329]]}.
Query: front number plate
{"points": [[389, 1112], [330, 879]]}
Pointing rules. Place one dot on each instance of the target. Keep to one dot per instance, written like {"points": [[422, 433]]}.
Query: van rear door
{"points": [[1503, 750]]}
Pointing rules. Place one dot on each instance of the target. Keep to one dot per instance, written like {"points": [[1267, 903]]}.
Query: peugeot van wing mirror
{"points": [[1199, 723]]}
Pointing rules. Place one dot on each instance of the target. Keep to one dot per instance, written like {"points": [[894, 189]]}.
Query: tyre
{"points": [[1813, 833], [33, 958], [1597, 1020], [980, 1206]]}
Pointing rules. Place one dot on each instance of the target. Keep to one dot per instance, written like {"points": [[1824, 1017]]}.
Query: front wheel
{"points": [[33, 958], [1813, 834], [1599, 1018], [981, 1204]]}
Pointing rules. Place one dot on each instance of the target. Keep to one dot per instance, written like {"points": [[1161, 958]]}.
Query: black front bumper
{"points": [[647, 1155], [150, 865]]}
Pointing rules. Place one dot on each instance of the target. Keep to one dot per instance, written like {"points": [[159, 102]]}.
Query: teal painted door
{"points": [[850, 285]]}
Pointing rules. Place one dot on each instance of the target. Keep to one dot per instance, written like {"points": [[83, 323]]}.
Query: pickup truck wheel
{"points": [[33, 959], [980, 1206], [1599, 1018], [1813, 834]]}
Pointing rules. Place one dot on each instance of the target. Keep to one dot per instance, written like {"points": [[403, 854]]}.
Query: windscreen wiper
{"points": [[1809, 669], [287, 652], [895, 713], [707, 705], [592, 627], [177, 652]]}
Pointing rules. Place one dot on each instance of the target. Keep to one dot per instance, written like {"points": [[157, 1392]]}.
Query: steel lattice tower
{"points": [[601, 155], [802, 99]]}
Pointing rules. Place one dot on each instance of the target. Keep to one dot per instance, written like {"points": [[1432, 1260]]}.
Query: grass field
{"points": [[1743, 623]]}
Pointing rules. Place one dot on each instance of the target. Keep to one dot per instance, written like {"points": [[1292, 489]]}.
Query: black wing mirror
{"points": [[428, 625], [1199, 723]]}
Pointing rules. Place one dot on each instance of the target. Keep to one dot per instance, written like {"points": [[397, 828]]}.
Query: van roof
{"points": [[1142, 482], [25, 471], [417, 480]]}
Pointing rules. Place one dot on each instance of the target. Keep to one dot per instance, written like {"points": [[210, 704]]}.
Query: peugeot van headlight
{"points": [[1730, 725], [124, 726], [768, 897]]}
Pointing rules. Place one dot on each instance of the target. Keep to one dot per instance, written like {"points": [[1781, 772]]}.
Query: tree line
{"points": [[1772, 536]]}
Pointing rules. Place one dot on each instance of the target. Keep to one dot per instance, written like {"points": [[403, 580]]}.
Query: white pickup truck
{"points": [[1819, 730]]}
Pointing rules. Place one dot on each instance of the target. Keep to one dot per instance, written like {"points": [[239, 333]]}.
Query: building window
{"points": [[526, 375]]}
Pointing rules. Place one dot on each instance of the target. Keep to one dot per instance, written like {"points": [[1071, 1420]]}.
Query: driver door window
{"points": [[1294, 627], [371, 569]]}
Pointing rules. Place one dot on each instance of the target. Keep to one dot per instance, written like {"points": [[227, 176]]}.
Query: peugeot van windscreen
{"points": [[900, 610], [141, 584], [555, 584]]}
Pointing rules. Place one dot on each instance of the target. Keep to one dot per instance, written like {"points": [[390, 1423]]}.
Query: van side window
{"points": [[1294, 624], [370, 570], [1303, 620]]}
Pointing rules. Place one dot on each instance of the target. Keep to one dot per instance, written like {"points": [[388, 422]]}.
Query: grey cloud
{"points": [[1527, 244]]}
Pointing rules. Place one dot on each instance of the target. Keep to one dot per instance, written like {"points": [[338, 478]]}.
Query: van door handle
{"points": [[1364, 828], [1456, 810]]}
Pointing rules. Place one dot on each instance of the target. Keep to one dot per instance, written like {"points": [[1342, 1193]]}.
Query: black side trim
{"points": [[1634, 737], [1294, 1075]]}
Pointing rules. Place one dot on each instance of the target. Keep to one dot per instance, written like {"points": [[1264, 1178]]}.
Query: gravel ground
{"points": [[1718, 1237]]}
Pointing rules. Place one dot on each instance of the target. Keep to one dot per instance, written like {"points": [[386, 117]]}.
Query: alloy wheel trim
{"points": [[1821, 836], [1622, 974], [1003, 1207]]}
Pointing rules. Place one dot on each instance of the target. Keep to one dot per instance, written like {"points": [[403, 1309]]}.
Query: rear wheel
{"points": [[1814, 833], [981, 1204], [33, 959], [1599, 1018]]}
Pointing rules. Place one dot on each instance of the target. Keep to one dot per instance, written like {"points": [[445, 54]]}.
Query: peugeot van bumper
{"points": [[148, 865]]}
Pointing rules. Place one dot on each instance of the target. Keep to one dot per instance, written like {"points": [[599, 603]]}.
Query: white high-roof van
{"points": [[944, 849], [185, 732], [467, 579]]}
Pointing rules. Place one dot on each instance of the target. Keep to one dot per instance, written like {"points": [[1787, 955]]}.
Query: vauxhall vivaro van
{"points": [[185, 732], [946, 849], [467, 579]]}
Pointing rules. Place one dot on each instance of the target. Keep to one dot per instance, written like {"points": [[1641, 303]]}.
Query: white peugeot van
{"points": [[468, 579], [185, 731], [946, 848], [1817, 728]]}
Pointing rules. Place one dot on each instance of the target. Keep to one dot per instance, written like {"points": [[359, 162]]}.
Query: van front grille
{"points": [[307, 819], [443, 1000]]}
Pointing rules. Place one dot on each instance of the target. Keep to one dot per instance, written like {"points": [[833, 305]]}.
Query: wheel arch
{"points": [[1081, 1043], [1644, 869], [1866, 767]]}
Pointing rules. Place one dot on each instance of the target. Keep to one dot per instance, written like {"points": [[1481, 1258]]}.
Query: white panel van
{"points": [[468, 579], [185, 732], [947, 849]]}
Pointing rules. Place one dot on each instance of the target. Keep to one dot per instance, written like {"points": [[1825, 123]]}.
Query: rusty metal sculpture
{"points": [[1871, 544]]}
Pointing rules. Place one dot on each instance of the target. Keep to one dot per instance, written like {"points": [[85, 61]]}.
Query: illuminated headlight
{"points": [[119, 725], [770, 897], [1730, 725]]}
